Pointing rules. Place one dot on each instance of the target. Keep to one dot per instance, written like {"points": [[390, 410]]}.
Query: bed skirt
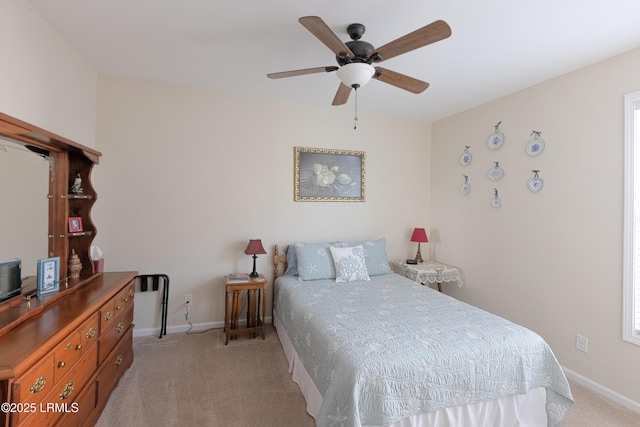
{"points": [[517, 410]]}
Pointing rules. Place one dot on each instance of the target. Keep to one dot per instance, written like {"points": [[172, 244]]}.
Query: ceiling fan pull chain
{"points": [[355, 119]]}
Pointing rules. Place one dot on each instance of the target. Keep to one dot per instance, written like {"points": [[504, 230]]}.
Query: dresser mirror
{"points": [[37, 171], [24, 185]]}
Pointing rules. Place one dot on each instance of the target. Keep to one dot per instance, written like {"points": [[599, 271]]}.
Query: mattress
{"points": [[386, 351]]}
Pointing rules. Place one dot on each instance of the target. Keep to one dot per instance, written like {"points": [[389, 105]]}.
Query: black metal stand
{"points": [[156, 279]]}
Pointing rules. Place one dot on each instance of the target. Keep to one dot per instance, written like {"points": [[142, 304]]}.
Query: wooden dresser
{"points": [[62, 356]]}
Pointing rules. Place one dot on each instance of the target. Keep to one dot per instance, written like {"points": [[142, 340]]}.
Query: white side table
{"points": [[428, 272]]}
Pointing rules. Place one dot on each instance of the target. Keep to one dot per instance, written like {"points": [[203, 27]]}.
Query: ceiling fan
{"points": [[355, 57]]}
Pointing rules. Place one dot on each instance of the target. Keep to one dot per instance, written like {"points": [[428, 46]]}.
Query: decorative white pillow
{"points": [[350, 264]]}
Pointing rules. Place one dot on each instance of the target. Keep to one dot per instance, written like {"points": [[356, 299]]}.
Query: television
{"points": [[10, 280]]}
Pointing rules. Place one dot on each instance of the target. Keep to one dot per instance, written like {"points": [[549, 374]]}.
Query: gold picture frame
{"points": [[329, 175]]}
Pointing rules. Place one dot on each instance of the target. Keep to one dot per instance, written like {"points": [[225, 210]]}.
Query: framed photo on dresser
{"points": [[48, 275]]}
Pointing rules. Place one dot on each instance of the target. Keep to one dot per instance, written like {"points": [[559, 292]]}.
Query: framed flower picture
{"points": [[328, 175]]}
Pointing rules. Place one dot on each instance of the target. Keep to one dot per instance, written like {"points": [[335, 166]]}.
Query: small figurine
{"points": [[75, 266], [76, 188]]}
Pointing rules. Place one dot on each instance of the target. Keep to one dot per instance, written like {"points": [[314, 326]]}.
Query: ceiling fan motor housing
{"points": [[360, 48]]}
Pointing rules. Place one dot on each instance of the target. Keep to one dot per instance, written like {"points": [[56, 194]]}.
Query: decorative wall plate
{"points": [[495, 202], [465, 188], [465, 159], [534, 147], [496, 173], [496, 140], [536, 183]]}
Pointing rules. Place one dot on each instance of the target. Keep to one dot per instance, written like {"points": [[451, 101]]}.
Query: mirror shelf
{"points": [[68, 160]]}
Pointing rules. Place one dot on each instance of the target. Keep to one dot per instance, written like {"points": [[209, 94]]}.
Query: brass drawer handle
{"points": [[131, 293], [91, 332], [120, 327], [68, 347], [125, 300], [79, 347], [118, 308], [118, 361], [61, 364], [38, 385], [66, 391], [108, 316]]}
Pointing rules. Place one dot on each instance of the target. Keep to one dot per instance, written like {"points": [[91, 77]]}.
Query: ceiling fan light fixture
{"points": [[355, 74]]}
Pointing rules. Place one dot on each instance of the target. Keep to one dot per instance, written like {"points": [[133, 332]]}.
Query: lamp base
{"points": [[419, 255], [254, 273]]}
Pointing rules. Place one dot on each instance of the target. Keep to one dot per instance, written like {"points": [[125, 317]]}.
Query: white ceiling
{"points": [[497, 46]]}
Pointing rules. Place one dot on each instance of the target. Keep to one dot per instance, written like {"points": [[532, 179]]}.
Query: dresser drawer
{"points": [[124, 299], [67, 388], [81, 412], [66, 396], [89, 331], [34, 384], [107, 316], [71, 349], [114, 331], [115, 365], [66, 354]]}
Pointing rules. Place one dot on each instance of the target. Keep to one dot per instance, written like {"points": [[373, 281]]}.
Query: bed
{"points": [[369, 347]]}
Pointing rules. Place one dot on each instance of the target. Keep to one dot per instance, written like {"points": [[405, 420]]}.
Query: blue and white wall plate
{"points": [[536, 183], [496, 173], [495, 202], [465, 188], [465, 159], [496, 139], [536, 145]]}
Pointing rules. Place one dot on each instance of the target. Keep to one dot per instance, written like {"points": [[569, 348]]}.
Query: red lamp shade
{"points": [[419, 235], [255, 248]]}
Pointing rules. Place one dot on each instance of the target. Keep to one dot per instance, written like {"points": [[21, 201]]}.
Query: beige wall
{"points": [[43, 81], [188, 177], [551, 261]]}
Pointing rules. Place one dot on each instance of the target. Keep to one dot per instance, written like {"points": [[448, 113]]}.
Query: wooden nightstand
{"points": [[255, 288], [428, 272]]}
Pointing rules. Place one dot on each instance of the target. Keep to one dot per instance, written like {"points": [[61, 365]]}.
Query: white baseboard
{"points": [[196, 327], [602, 390]]}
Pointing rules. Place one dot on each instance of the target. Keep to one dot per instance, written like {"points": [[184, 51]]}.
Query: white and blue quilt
{"points": [[382, 350]]}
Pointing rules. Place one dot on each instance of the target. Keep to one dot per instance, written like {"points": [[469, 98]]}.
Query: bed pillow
{"points": [[350, 264], [292, 261], [375, 256], [314, 261]]}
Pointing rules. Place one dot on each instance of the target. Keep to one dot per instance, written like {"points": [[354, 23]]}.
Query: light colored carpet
{"points": [[195, 380]]}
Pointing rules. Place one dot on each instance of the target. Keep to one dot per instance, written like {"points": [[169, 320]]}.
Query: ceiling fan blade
{"points": [[342, 95], [302, 72], [321, 30], [400, 80], [428, 34]]}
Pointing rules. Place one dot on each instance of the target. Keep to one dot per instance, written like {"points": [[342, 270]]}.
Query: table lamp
{"points": [[254, 248], [419, 235]]}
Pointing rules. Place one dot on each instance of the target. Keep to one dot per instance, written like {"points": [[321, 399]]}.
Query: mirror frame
{"points": [[64, 155]]}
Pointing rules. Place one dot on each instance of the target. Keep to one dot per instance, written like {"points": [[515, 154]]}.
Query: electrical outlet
{"points": [[582, 343], [187, 299]]}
